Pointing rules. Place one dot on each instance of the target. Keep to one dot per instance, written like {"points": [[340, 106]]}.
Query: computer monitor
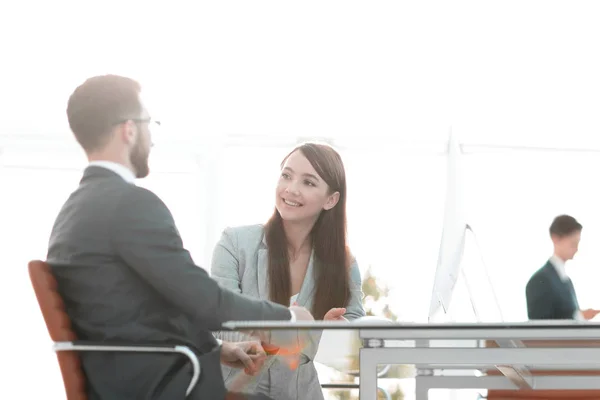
{"points": [[460, 258], [447, 274], [453, 236], [474, 296]]}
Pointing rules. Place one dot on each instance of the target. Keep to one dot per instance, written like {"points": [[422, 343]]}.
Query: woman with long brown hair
{"points": [[300, 256]]}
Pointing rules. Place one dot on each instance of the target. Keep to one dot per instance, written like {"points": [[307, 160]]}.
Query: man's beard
{"points": [[139, 160]]}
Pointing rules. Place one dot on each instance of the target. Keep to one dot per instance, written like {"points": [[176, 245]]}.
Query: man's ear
{"points": [[127, 132], [332, 200]]}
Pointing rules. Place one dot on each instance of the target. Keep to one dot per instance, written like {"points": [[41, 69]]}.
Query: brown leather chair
{"points": [[547, 394], [65, 341]]}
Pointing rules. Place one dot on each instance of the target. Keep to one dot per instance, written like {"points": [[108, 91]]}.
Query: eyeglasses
{"points": [[139, 120]]}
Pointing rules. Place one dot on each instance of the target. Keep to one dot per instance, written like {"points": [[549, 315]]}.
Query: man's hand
{"points": [[590, 313], [302, 314], [335, 314], [247, 355]]}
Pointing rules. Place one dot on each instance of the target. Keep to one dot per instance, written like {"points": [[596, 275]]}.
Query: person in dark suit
{"points": [[122, 269], [550, 292]]}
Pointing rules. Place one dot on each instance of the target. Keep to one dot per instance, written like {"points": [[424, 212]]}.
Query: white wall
{"points": [[366, 74]]}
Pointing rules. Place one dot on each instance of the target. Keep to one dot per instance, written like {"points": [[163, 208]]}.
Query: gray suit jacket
{"points": [[124, 276], [240, 263]]}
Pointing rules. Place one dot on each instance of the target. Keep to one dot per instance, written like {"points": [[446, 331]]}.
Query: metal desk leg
{"points": [[368, 374], [421, 389]]}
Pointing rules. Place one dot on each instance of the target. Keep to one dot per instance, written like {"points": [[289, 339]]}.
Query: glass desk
{"points": [[521, 347]]}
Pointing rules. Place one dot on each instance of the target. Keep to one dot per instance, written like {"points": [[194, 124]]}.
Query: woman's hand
{"points": [[335, 314]]}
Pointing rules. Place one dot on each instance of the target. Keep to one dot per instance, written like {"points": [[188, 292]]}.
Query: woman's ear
{"points": [[332, 200]]}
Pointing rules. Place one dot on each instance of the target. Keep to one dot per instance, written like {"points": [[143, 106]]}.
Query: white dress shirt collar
{"points": [[118, 169], [559, 265]]}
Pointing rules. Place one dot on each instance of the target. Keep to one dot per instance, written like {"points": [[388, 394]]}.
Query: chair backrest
{"points": [[59, 327]]}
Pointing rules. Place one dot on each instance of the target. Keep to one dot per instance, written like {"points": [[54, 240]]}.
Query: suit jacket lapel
{"points": [[262, 274], [567, 285], [308, 285], [571, 290]]}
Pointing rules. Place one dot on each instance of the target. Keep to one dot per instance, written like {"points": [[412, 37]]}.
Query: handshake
{"points": [[251, 355]]}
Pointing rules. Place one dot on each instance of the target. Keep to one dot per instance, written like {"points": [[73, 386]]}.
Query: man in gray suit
{"points": [[122, 269]]}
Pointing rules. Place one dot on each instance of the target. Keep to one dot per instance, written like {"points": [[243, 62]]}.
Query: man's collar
{"points": [[559, 265], [118, 169]]}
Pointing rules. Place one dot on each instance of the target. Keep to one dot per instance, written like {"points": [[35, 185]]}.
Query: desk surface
{"points": [[533, 330], [385, 325]]}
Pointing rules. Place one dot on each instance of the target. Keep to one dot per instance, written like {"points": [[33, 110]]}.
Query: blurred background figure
{"points": [[550, 292]]}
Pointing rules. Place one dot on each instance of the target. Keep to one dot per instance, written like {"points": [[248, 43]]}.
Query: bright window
{"points": [[512, 198], [394, 213]]}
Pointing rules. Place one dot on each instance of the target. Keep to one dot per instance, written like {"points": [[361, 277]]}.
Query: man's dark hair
{"points": [[565, 225], [100, 103]]}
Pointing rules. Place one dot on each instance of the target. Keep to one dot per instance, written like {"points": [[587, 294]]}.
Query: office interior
{"points": [[482, 116]]}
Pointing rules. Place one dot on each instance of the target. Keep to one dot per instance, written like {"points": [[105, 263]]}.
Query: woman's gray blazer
{"points": [[240, 263]]}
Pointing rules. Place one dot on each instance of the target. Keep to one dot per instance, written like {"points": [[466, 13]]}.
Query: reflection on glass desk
{"points": [[520, 347]]}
